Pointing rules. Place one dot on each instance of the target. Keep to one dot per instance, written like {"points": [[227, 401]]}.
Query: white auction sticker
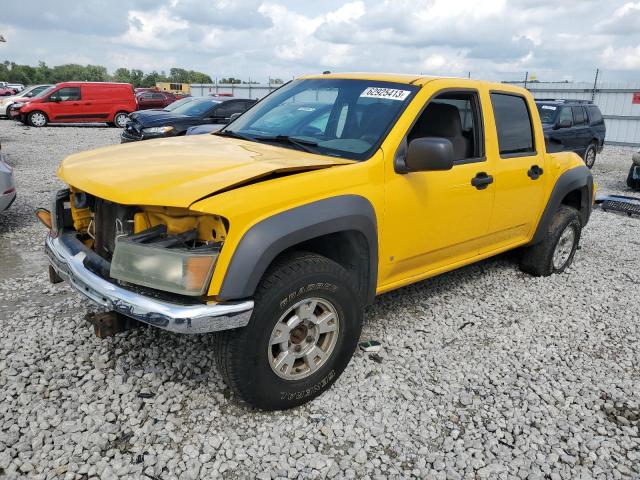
{"points": [[390, 93], [548, 107]]}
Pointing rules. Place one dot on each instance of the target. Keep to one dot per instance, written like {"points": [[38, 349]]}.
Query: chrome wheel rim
{"points": [[121, 120], [564, 247], [38, 119], [303, 338], [590, 157]]}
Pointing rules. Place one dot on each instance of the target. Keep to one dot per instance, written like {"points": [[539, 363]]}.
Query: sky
{"points": [[257, 39]]}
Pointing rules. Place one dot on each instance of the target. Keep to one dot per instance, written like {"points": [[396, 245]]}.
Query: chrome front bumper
{"points": [[200, 318]]}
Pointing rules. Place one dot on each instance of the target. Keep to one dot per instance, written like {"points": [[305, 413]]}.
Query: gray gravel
{"points": [[485, 372]]}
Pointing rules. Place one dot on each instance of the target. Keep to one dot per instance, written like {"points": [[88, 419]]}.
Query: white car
{"points": [[29, 92], [7, 186], [18, 87]]}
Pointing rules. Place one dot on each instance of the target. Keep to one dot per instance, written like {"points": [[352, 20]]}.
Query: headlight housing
{"points": [[165, 129], [177, 270]]}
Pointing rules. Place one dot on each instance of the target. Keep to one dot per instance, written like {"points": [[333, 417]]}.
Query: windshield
{"points": [[339, 117], [195, 107], [178, 103], [26, 90], [44, 92], [547, 113]]}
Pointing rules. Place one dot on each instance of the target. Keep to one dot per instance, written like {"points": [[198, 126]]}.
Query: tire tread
{"points": [[230, 343]]}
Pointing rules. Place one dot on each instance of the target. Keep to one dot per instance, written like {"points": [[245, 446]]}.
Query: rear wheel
{"points": [[302, 333], [120, 119], [589, 156], [633, 179], [37, 119], [556, 250]]}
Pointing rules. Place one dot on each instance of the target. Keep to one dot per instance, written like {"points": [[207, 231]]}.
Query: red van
{"points": [[81, 102]]}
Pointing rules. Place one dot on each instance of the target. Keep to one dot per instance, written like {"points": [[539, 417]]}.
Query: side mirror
{"points": [[55, 99], [427, 154], [234, 116], [565, 123], [29, 95]]}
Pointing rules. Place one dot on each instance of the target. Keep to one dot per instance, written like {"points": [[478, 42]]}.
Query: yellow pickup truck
{"points": [[277, 230]]}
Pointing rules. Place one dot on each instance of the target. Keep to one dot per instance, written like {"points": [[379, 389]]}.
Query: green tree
{"points": [[122, 75], [13, 72], [199, 77], [150, 79], [230, 80]]}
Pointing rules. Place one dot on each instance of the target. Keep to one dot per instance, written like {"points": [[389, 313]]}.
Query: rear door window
{"points": [[579, 117], [513, 125], [595, 117]]}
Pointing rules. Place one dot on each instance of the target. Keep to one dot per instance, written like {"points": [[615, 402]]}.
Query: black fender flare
{"points": [[265, 240], [579, 178]]}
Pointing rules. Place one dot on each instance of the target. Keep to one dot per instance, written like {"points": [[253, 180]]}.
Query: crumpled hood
{"points": [[176, 172]]}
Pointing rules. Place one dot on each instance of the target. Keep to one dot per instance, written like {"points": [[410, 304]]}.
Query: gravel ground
{"points": [[485, 373]]}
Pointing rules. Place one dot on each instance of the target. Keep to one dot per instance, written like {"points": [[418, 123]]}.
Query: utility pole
{"points": [[526, 77], [595, 84]]}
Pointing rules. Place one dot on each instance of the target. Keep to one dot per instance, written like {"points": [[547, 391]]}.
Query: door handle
{"points": [[534, 172], [481, 180], [88, 103]]}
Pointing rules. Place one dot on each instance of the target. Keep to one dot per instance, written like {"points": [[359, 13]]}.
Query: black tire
{"points": [[116, 120], [538, 260], [37, 119], [242, 355], [590, 154], [633, 181]]}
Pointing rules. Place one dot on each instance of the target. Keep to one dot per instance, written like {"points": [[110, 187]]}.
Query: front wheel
{"points": [[37, 119], [120, 119], [590, 155], [556, 250], [303, 331]]}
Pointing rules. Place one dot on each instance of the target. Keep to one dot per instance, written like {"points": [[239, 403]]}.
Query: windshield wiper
{"points": [[232, 134], [301, 143]]}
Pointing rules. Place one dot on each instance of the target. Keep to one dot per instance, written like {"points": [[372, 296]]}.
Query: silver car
{"points": [[29, 92], [7, 186]]}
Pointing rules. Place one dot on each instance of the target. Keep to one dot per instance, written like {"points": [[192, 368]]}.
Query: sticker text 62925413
{"points": [[389, 93]]}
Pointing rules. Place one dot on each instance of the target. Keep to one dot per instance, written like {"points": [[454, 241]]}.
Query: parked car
{"points": [[573, 125], [159, 111], [7, 185], [173, 123], [6, 91], [81, 102], [633, 179], [277, 238], [26, 94], [150, 99], [18, 87]]}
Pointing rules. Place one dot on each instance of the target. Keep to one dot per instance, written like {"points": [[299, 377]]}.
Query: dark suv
{"points": [[575, 125]]}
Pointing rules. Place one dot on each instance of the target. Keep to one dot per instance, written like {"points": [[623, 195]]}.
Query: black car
{"points": [[572, 125], [198, 111], [155, 111]]}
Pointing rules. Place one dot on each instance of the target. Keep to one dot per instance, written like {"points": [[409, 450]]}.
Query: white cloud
{"points": [[494, 39], [625, 58], [152, 29]]}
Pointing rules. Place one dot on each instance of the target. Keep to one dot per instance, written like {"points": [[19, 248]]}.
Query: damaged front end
{"points": [[153, 264]]}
